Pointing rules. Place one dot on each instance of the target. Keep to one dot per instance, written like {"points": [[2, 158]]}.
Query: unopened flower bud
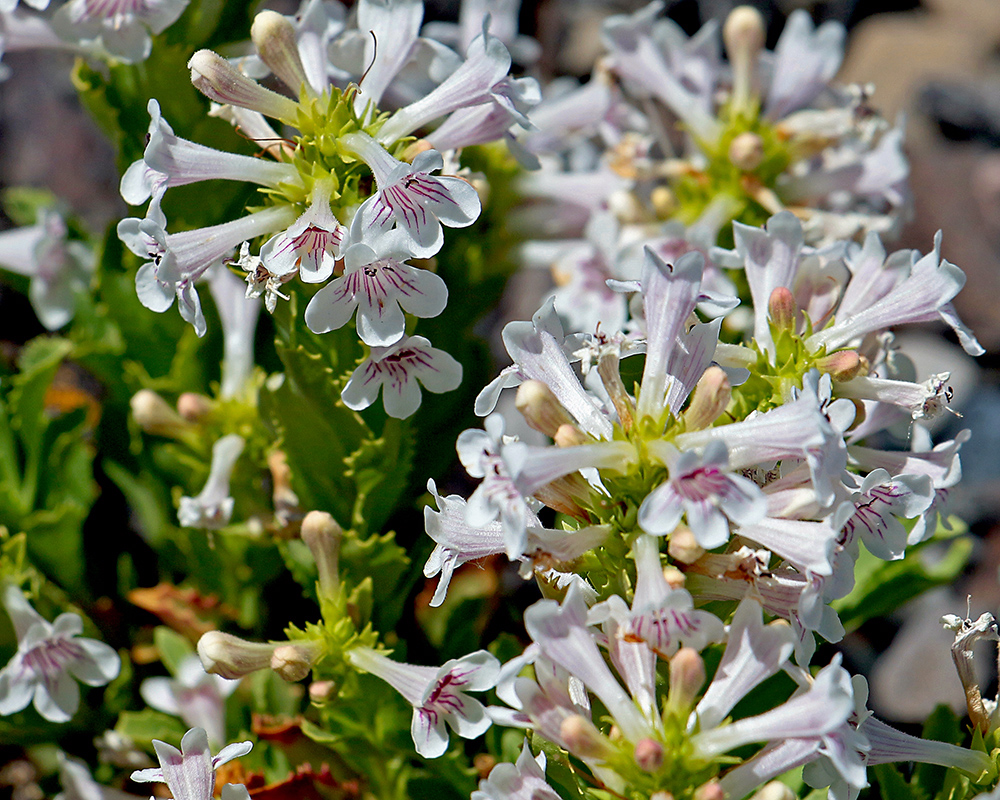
{"points": [[684, 547], [649, 755], [193, 407], [782, 309], [709, 791], [674, 577], [322, 534], [687, 676], [746, 151], [540, 408], [231, 657], [218, 80], [483, 764], [566, 495], [274, 37], [293, 662], [775, 790], [569, 436], [745, 36], [626, 207], [664, 202], [582, 739], [321, 691], [155, 416], [286, 502], [710, 397], [611, 377], [843, 365], [661, 796]]}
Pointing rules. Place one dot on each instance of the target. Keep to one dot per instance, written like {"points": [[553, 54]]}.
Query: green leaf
{"points": [[144, 726], [892, 786], [173, 648], [379, 469]]}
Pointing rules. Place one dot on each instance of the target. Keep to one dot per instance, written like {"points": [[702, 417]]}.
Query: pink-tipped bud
{"points": [[569, 436], [540, 408], [155, 416], [709, 791], [745, 36], [220, 81], [193, 407], [746, 151], [293, 662], [582, 739], [649, 755], [231, 657], [775, 790], [566, 495], [843, 365], [322, 534], [687, 676], [684, 547], [710, 397], [320, 692], [782, 309], [274, 37]]}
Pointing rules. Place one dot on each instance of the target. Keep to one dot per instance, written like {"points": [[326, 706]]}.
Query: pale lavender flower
{"points": [[410, 198], [702, 488], [523, 780], [879, 499], [213, 507], [238, 314], [379, 283], [311, 245], [59, 268], [190, 772], [195, 696], [122, 28], [50, 658], [78, 784], [398, 371], [438, 695]]}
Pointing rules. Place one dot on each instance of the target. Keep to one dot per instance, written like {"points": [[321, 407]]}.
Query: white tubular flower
{"points": [[190, 772], [878, 501], [754, 652], [410, 197], [398, 371], [379, 283], [50, 658], [172, 161], [438, 695], [120, 27], [238, 314], [702, 488], [195, 696], [523, 780], [805, 61], [394, 26], [213, 507], [78, 784], [58, 268], [311, 245]]}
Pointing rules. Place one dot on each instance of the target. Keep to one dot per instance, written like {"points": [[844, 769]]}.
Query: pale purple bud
{"points": [[687, 676], [709, 791], [540, 408], [193, 407], [583, 739], [710, 397], [648, 755], [844, 365], [569, 436], [231, 657], [322, 534], [683, 546], [782, 310], [218, 80], [274, 37]]}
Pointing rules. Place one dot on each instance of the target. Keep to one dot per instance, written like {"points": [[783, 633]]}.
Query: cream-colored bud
{"points": [[844, 365], [745, 36], [709, 791], [218, 80], [648, 755], [540, 408], [709, 399], [155, 416], [746, 151], [274, 37], [569, 436], [674, 577], [293, 662], [626, 207], [322, 534], [582, 738], [683, 546], [687, 676], [193, 407], [775, 790], [782, 309], [566, 495], [231, 657], [661, 796], [321, 691], [664, 202]]}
